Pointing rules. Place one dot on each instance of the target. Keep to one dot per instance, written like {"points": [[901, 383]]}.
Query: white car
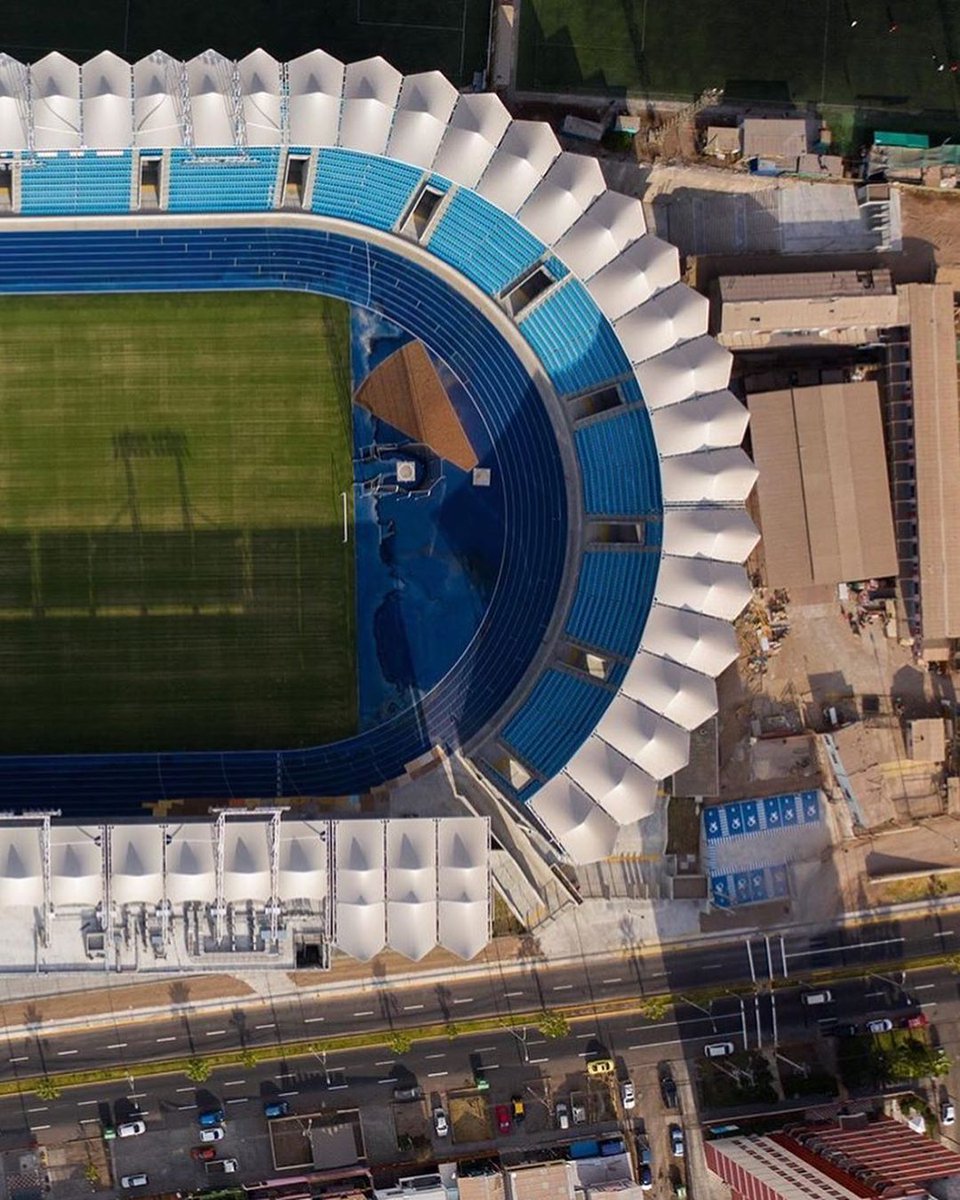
{"points": [[441, 1125], [628, 1094], [881, 1025], [214, 1134], [131, 1181], [131, 1129], [947, 1113], [562, 1114], [676, 1141], [719, 1049]]}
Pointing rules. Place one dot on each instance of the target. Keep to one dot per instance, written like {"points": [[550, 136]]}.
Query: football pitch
{"points": [[173, 573], [863, 53]]}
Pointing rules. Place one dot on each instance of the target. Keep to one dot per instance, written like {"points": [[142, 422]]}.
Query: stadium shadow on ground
{"points": [[118, 640]]}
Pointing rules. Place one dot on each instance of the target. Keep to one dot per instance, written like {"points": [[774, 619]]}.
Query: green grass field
{"points": [[172, 567], [756, 49], [415, 35]]}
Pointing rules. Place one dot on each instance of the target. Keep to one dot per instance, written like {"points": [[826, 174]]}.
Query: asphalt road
{"points": [[512, 988]]}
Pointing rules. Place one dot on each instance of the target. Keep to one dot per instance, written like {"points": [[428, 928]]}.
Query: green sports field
{"points": [[172, 566], [824, 51]]}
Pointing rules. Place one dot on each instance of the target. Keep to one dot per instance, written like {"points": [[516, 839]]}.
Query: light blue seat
{"points": [[489, 247], [560, 712], [613, 597], [618, 464], [75, 183], [362, 187]]}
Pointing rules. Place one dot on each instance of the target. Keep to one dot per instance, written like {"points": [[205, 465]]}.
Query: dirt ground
{"points": [[470, 1118], [934, 218], [122, 1001]]}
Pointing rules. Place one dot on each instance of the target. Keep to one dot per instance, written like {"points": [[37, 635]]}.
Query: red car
{"points": [[916, 1021], [504, 1123], [203, 1153]]}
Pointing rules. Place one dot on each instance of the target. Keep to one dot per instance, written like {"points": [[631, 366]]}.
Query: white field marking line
{"points": [[61, 1053], [22, 1058], [841, 949], [269, 1025], [116, 1045], [436, 1074], [312, 1020]]}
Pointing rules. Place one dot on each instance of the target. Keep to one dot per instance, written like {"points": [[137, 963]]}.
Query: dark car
{"points": [[646, 1178], [848, 1030], [668, 1090], [502, 1114], [212, 1116], [275, 1108], [203, 1153]]}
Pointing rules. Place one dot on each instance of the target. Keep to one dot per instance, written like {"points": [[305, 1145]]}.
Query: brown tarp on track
{"points": [[406, 391]]}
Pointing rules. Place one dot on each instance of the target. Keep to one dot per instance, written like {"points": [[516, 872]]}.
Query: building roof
{"points": [[774, 137], [927, 739], [541, 1181], [761, 310], [936, 432], [824, 495], [722, 140], [481, 1187]]}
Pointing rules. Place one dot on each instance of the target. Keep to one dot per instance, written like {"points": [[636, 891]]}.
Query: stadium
{"points": [[551, 415]]}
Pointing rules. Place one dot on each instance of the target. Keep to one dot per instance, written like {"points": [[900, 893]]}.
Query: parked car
{"points": [[408, 1093], [918, 1020], [628, 1094], [275, 1108], [221, 1166], [215, 1133], [845, 1030], [131, 1181], [880, 1025], [947, 1113], [668, 1090], [562, 1113], [518, 1109], [131, 1128], [203, 1153], [719, 1049], [210, 1117], [676, 1141], [646, 1178], [502, 1113], [441, 1126], [578, 1112], [813, 999], [600, 1066]]}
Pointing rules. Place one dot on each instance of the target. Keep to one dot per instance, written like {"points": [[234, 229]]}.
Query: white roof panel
{"points": [[710, 531], [361, 929], [21, 866], [13, 103], [191, 874], [718, 476], [681, 695], [260, 88], [365, 125], [136, 864], [412, 927], [372, 79], [316, 86], [156, 103], [55, 95], [704, 644], [717, 589], [107, 102], [568, 188], [708, 422], [520, 162], [415, 138], [464, 926], [672, 316], [653, 742], [478, 123], [76, 863], [619, 786], [697, 366], [579, 824], [463, 880], [359, 859], [209, 78], [246, 860], [303, 861], [644, 268], [604, 231], [429, 92]]}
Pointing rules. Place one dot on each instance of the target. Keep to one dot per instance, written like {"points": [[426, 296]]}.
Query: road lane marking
{"points": [[116, 1045], [871, 995], [491, 1066], [187, 1107], [428, 1056], [563, 987], [23, 1058], [436, 1074], [924, 987], [37, 1128], [288, 1093], [269, 1025], [484, 1050], [238, 1100], [538, 1060], [385, 1062], [840, 949], [186, 1089], [61, 1053], [616, 980], [312, 1020], [944, 933], [412, 1007], [43, 1108], [338, 1087], [168, 1039], [89, 1121], [391, 1079], [214, 1032], [233, 1082], [582, 1037], [512, 994], [81, 1103], [712, 967], [367, 1012], [465, 1000]]}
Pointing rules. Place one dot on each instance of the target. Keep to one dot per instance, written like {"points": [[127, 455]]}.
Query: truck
{"points": [[222, 1166], [589, 1148]]}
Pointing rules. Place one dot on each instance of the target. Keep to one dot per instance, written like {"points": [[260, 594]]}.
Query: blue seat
{"points": [[68, 183], [619, 467], [362, 187], [613, 598], [574, 340], [223, 181], [560, 712], [489, 247]]}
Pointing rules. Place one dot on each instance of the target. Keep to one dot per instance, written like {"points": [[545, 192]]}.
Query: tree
{"points": [[248, 1058], [553, 1024], [198, 1070], [47, 1089], [453, 1029], [654, 1008], [400, 1043]]}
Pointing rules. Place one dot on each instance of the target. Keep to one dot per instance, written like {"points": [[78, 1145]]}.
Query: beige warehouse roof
{"points": [[781, 138], [824, 496], [937, 452]]}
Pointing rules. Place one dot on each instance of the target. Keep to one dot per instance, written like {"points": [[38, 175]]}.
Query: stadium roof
{"points": [[315, 103]]}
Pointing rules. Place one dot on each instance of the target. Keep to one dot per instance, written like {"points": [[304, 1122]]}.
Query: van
{"points": [[811, 999]]}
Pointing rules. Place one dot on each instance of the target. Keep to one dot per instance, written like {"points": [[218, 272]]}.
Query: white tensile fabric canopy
{"points": [[14, 90], [696, 366], [562, 196], [370, 92], [76, 866], [107, 83], [708, 422], [136, 864], [519, 163], [426, 102], [674, 691], [643, 269], [316, 89], [209, 80], [260, 88], [581, 826], [191, 873], [412, 886], [360, 888], [604, 231], [156, 102], [464, 908], [717, 589], [704, 643], [55, 97], [246, 861], [724, 476], [478, 123], [303, 862], [619, 786], [21, 866], [710, 531], [673, 315], [657, 745]]}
